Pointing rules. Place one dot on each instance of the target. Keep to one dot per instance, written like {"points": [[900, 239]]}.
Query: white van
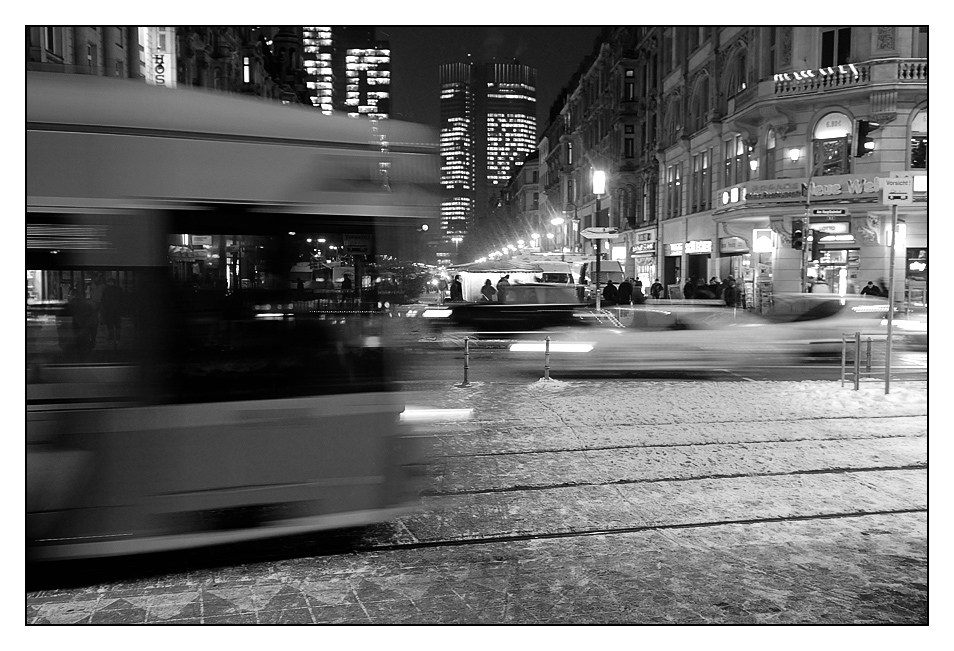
{"points": [[609, 270]]}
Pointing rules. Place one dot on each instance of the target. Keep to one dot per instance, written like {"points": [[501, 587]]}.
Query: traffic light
{"points": [[816, 244], [798, 235], [864, 143]]}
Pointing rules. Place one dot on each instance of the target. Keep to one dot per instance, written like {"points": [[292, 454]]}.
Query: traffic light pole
{"points": [[887, 350]]}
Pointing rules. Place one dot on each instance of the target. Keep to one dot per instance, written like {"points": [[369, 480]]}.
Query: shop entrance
{"points": [[836, 272], [697, 267], [673, 270]]}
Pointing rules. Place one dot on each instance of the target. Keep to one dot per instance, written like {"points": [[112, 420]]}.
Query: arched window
{"points": [[919, 146], [831, 145], [672, 120], [700, 105], [736, 79]]}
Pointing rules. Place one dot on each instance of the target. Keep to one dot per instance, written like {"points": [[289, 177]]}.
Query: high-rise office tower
{"points": [[349, 70], [488, 126]]}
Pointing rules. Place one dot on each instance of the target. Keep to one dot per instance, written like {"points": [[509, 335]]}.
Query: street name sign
{"points": [[600, 232]]}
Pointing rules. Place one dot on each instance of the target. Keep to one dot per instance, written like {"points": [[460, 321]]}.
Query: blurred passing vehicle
{"points": [[180, 392], [684, 337], [530, 308]]}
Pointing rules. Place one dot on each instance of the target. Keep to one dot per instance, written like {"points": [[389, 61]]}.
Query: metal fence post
{"points": [[857, 359], [546, 360], [868, 357]]}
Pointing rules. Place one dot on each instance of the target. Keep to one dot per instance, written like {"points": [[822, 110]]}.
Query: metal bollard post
{"points": [[844, 355], [546, 358], [857, 359], [868, 357], [466, 360]]}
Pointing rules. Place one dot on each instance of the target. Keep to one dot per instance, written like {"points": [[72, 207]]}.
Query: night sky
{"points": [[417, 51]]}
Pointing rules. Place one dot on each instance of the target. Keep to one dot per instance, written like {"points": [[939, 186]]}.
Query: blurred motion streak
{"points": [[183, 388]]}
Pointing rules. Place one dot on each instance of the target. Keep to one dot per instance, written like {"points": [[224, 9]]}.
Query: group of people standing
{"points": [[728, 290], [489, 293], [628, 292]]}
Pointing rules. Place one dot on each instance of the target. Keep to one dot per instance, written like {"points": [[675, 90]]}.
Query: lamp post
{"points": [[599, 186]]}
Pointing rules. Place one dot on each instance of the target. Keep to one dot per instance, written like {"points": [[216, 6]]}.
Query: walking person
{"points": [[870, 290], [488, 292], [689, 289], [610, 293], [456, 290], [502, 286], [656, 289], [346, 290], [715, 287], [730, 293]]}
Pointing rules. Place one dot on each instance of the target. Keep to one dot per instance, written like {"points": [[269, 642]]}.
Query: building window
{"points": [[629, 148], [246, 70], [836, 47], [919, 144], [536, 201], [569, 153], [700, 105], [922, 43], [736, 161], [831, 145], [701, 181], [674, 190], [770, 50]]}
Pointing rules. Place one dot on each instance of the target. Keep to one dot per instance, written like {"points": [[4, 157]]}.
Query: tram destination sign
{"points": [[829, 212]]}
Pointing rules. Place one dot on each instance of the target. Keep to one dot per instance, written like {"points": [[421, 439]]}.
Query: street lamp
{"points": [[599, 186]]}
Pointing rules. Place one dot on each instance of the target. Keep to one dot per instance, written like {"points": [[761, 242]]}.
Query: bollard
{"points": [[868, 357], [466, 360], [857, 359], [844, 354], [546, 360]]}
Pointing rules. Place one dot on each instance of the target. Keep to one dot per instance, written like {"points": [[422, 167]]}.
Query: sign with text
{"points": [[897, 191]]}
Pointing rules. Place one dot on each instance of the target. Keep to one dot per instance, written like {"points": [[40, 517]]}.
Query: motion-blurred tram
{"points": [[181, 389]]}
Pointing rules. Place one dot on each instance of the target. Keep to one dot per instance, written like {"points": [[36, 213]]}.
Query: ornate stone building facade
{"points": [[715, 139]]}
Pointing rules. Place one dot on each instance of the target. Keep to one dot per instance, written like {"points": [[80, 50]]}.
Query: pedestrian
{"points": [[729, 293], [112, 309], [870, 290], [638, 296], [882, 287], [456, 290], [300, 285], [488, 292], [610, 293], [715, 287], [345, 289], [689, 289], [502, 286], [656, 289], [624, 292]]}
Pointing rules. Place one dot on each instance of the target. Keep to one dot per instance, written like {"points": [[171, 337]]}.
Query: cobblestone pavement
{"points": [[558, 507]]}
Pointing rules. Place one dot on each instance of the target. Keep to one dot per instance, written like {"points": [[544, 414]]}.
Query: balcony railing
{"points": [[881, 71]]}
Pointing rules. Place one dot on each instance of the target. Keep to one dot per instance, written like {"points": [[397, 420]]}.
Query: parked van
{"points": [[585, 272]]}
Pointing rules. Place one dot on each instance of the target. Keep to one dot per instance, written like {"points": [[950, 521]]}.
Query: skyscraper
{"points": [[488, 126], [349, 70]]}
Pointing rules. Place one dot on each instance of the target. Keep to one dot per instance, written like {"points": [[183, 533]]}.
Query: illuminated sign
{"points": [[673, 249], [732, 245], [818, 72], [762, 240], [699, 246], [831, 228], [830, 188], [640, 247], [645, 236]]}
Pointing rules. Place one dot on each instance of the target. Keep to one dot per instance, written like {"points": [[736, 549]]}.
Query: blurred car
{"points": [[912, 330], [709, 337], [530, 308]]}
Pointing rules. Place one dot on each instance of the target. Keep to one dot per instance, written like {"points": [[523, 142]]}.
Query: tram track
{"points": [[713, 476], [609, 531]]}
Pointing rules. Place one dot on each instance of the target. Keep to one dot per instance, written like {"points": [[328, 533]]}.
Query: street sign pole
{"points": [[894, 191], [887, 354]]}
